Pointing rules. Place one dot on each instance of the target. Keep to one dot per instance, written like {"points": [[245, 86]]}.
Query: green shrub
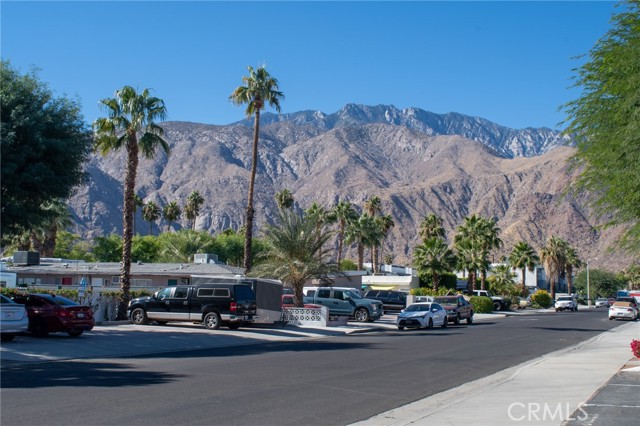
{"points": [[428, 291], [481, 304], [541, 299]]}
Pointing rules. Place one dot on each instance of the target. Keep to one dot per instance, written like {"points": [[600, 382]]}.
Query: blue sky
{"points": [[508, 62]]}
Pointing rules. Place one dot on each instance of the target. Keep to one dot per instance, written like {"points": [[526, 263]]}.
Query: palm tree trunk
{"points": [[252, 179], [150, 227], [360, 256], [340, 242], [569, 278], [524, 287], [127, 225], [483, 279]]}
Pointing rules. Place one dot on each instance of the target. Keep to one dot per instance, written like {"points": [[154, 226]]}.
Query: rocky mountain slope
{"points": [[352, 157]]}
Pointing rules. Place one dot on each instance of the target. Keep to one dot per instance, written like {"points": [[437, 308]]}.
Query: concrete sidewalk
{"points": [[545, 391]]}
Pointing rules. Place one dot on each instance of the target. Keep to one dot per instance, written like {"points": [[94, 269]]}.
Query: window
{"points": [[164, 293], [221, 292], [140, 283], [324, 293], [181, 292], [338, 294], [244, 292], [205, 292], [29, 281], [172, 283], [115, 280]]}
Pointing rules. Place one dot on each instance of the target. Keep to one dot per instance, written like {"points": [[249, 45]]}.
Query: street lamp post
{"points": [[588, 288]]}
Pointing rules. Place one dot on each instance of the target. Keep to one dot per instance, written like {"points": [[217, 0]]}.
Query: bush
{"points": [[541, 299], [428, 291], [481, 304]]}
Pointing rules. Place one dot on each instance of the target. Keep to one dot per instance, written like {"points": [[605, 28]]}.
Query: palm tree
{"points": [[319, 215], [372, 206], [294, 252], [284, 199], [434, 258], [470, 257], [344, 214], [259, 88], [431, 226], [572, 260], [137, 202], [171, 213], [386, 223], [192, 208], [553, 256], [181, 246], [130, 125], [151, 213], [523, 257], [359, 232], [485, 233]]}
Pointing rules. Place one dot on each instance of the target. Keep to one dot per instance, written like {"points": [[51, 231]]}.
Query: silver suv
{"points": [[566, 303]]}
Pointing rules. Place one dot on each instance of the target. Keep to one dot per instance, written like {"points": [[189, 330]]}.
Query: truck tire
{"points": [[361, 315], [212, 320], [470, 320], [497, 306], [139, 316]]}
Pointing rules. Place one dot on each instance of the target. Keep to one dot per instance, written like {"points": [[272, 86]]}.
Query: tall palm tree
{"points": [[171, 213], [359, 232], [386, 223], [524, 257], [490, 241], [344, 214], [434, 258], [259, 89], [319, 215], [572, 260], [151, 212], [192, 208], [294, 252], [284, 199], [553, 256], [471, 257], [431, 226], [130, 124], [372, 206], [484, 232]]}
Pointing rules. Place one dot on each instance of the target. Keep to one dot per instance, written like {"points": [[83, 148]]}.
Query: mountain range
{"points": [[416, 161]]}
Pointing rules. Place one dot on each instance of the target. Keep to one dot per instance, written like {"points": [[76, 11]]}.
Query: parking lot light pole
{"points": [[588, 288]]}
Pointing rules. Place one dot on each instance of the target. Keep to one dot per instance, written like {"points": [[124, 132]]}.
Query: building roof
{"points": [[113, 268]]}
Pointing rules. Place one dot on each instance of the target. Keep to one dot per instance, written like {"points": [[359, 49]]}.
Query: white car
{"points": [[422, 315], [13, 318], [602, 302], [566, 303], [622, 310]]}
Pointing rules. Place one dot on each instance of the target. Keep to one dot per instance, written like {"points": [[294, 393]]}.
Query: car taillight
{"points": [[64, 313], [233, 307]]}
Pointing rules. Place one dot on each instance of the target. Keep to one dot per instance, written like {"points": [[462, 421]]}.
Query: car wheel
{"points": [[456, 321], [445, 323], [497, 306], [139, 316], [233, 325], [6, 337], [362, 315], [212, 321], [470, 319], [400, 328], [610, 319], [74, 333]]}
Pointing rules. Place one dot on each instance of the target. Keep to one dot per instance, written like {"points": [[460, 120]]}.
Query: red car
{"points": [[49, 313]]}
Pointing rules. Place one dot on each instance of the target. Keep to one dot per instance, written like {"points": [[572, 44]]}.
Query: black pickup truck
{"points": [[214, 304]]}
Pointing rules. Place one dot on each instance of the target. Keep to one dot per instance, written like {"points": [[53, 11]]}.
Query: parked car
{"points": [[457, 308], [499, 303], [49, 313], [391, 300], [422, 315], [524, 302], [13, 318], [223, 301], [566, 303], [601, 302], [622, 310], [343, 301], [633, 302]]}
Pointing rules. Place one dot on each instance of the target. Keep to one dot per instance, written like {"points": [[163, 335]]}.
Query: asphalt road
{"points": [[329, 381]]}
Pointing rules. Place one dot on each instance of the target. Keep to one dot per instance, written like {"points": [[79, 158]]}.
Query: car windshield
{"points": [[352, 294], [447, 301], [417, 308], [565, 298]]}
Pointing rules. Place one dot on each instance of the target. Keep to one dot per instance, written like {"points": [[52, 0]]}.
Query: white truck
{"points": [[499, 303]]}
